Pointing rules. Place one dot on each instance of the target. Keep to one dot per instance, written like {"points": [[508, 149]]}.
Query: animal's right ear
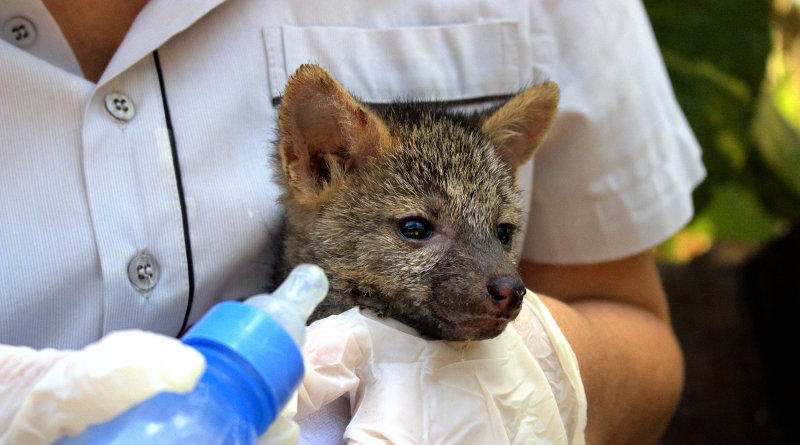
{"points": [[324, 132], [519, 127]]}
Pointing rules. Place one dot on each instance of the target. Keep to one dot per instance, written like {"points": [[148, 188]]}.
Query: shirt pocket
{"points": [[459, 62]]}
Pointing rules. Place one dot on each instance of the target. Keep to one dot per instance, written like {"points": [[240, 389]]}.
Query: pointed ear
{"points": [[519, 126], [324, 132]]}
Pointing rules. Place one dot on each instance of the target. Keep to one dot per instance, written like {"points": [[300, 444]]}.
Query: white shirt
{"points": [[83, 192]]}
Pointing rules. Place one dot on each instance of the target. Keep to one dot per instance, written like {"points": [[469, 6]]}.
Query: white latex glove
{"points": [[47, 394], [283, 431], [402, 389]]}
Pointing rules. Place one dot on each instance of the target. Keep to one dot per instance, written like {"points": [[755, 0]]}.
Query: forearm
{"points": [[616, 320]]}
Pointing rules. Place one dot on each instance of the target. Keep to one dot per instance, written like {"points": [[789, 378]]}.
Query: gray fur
{"points": [[423, 162]]}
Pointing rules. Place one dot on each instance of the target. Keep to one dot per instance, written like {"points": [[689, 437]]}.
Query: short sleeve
{"points": [[615, 175]]}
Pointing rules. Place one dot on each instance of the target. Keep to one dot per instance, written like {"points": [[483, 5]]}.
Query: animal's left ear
{"points": [[325, 133], [519, 126]]}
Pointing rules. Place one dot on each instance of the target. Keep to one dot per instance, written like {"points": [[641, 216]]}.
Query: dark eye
{"points": [[504, 233], [415, 229]]}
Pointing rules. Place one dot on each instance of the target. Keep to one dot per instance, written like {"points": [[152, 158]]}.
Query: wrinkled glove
{"points": [[47, 394], [521, 387]]}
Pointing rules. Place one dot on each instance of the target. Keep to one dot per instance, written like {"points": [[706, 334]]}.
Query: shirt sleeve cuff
{"points": [[618, 225]]}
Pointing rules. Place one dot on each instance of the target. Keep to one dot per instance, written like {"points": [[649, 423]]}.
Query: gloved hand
{"points": [[47, 394], [524, 388], [283, 431]]}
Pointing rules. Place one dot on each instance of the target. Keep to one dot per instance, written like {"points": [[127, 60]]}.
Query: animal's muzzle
{"points": [[504, 296]]}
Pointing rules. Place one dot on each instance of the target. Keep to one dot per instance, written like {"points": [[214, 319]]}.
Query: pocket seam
{"points": [[497, 76]]}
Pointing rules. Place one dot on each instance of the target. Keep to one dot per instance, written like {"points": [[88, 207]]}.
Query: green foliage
{"points": [[716, 53], [736, 213], [732, 35]]}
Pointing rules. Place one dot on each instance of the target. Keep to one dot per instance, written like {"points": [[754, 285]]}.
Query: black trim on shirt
{"points": [[181, 199]]}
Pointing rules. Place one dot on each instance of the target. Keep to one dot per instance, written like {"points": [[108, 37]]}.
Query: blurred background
{"points": [[733, 275]]}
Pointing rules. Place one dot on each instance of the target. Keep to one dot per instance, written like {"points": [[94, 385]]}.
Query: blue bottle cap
{"points": [[258, 344]]}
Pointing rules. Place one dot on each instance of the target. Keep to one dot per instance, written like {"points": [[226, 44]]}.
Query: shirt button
{"points": [[19, 31], [120, 106], [143, 272]]}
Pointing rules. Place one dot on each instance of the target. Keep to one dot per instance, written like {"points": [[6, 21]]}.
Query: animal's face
{"points": [[410, 211]]}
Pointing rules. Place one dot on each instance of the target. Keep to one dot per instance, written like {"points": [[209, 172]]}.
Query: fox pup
{"points": [[411, 210]]}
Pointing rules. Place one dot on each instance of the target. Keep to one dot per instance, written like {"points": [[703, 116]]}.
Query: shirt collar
{"points": [[158, 21], [49, 43]]}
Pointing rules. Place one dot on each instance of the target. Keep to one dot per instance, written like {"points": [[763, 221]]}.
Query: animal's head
{"points": [[410, 210]]}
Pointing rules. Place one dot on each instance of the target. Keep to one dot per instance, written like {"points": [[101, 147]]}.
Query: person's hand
{"points": [[405, 389], [47, 394], [283, 431]]}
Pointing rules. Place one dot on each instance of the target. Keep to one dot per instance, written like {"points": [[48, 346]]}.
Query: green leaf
{"points": [[716, 53]]}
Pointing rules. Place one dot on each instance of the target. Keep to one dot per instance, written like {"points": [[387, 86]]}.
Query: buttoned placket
{"points": [[130, 170], [132, 195], [132, 176]]}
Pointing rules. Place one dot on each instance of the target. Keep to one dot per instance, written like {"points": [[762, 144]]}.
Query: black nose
{"points": [[505, 295]]}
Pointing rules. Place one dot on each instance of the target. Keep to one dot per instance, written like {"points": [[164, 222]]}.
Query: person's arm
{"points": [[616, 318]]}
